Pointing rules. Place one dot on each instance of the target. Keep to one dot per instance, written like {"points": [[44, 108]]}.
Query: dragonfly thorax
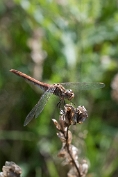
{"points": [[62, 92]]}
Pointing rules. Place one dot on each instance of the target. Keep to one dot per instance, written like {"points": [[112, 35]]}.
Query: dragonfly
{"points": [[58, 89]]}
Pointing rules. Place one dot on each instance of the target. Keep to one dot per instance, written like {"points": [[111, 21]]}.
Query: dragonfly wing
{"points": [[38, 108], [83, 85]]}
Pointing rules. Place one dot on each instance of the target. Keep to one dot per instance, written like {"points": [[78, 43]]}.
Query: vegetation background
{"points": [[59, 41]]}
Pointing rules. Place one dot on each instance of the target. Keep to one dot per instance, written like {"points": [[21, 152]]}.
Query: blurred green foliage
{"points": [[58, 41]]}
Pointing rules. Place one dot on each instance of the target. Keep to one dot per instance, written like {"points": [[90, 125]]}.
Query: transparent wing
{"points": [[83, 85], [38, 108]]}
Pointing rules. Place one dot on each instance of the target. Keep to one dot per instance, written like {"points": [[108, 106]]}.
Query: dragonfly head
{"points": [[69, 94]]}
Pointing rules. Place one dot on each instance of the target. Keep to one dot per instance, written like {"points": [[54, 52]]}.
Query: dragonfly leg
{"points": [[61, 103]]}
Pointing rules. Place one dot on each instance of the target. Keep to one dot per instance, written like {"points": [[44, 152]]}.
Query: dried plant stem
{"points": [[73, 161], [71, 116]]}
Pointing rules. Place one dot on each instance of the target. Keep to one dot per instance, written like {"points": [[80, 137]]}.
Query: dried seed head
{"points": [[56, 124], [83, 168], [81, 113], [11, 169], [74, 115], [61, 136]]}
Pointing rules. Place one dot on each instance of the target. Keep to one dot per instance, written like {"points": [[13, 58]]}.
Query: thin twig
{"points": [[67, 145]]}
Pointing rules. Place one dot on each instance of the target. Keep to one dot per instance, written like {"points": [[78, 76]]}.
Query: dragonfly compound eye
{"points": [[70, 94]]}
